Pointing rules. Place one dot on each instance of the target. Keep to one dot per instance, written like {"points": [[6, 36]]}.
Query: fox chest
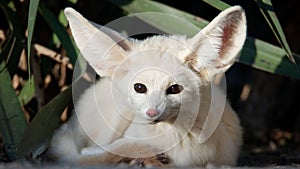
{"points": [[190, 152]]}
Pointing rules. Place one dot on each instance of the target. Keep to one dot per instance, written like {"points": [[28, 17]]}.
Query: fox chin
{"points": [[154, 105]]}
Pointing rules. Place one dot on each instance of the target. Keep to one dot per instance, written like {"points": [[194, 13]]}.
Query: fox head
{"points": [[161, 75]]}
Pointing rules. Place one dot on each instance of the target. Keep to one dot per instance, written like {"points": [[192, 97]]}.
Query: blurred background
{"points": [[267, 103]]}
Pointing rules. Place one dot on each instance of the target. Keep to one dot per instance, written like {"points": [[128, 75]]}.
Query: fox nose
{"points": [[152, 113]]}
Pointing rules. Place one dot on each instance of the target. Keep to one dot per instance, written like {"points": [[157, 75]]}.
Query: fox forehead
{"points": [[148, 62], [175, 45], [157, 52]]}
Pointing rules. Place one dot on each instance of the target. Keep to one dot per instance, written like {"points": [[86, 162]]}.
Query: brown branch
{"points": [[42, 50]]}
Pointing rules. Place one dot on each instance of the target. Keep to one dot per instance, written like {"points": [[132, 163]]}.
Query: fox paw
{"points": [[92, 151], [160, 160]]}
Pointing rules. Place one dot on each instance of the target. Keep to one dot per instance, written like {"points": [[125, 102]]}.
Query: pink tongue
{"points": [[152, 113]]}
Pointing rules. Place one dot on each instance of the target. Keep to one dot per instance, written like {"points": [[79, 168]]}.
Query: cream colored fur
{"points": [[111, 115]]}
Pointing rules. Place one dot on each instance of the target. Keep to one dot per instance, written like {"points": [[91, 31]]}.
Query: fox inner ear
{"points": [[100, 50], [216, 47]]}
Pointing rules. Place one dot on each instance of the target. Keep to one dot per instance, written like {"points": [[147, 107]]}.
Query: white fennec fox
{"points": [[154, 97]]}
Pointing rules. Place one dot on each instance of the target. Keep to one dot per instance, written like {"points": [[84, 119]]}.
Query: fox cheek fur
{"points": [[183, 69]]}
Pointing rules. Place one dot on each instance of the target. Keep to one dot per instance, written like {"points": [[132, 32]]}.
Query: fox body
{"points": [[154, 96]]}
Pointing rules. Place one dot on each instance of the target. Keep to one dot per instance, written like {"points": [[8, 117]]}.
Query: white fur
{"points": [[112, 114]]}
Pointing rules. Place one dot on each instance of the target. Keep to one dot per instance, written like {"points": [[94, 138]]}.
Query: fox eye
{"points": [[174, 89], [140, 88]]}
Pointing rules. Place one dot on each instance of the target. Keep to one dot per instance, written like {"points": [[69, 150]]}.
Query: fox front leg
{"points": [[92, 151], [122, 152], [160, 160]]}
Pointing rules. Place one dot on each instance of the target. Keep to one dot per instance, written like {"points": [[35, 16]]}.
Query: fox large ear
{"points": [[100, 47], [216, 47]]}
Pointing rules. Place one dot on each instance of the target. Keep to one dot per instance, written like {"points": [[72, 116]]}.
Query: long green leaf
{"points": [[27, 92], [12, 120], [60, 31], [267, 10], [14, 45], [33, 7], [138, 6], [268, 58], [8, 47], [38, 134], [217, 4], [256, 53]]}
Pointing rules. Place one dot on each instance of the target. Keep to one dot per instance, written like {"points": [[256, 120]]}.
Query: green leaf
{"points": [[73, 1], [27, 92], [11, 5], [268, 57], [39, 132], [12, 120], [267, 10], [62, 18], [138, 6], [217, 4], [12, 50], [60, 31], [256, 53], [33, 7], [56, 40]]}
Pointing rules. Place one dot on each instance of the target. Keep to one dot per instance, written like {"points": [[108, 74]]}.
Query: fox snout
{"points": [[157, 105], [152, 113]]}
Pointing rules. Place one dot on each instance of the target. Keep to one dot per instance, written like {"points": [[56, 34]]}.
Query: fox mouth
{"points": [[155, 121], [162, 118], [169, 119]]}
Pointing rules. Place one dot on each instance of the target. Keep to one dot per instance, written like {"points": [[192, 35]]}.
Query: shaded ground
{"points": [[264, 157]]}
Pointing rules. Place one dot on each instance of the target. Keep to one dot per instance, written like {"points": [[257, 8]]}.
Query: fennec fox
{"points": [[154, 97]]}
